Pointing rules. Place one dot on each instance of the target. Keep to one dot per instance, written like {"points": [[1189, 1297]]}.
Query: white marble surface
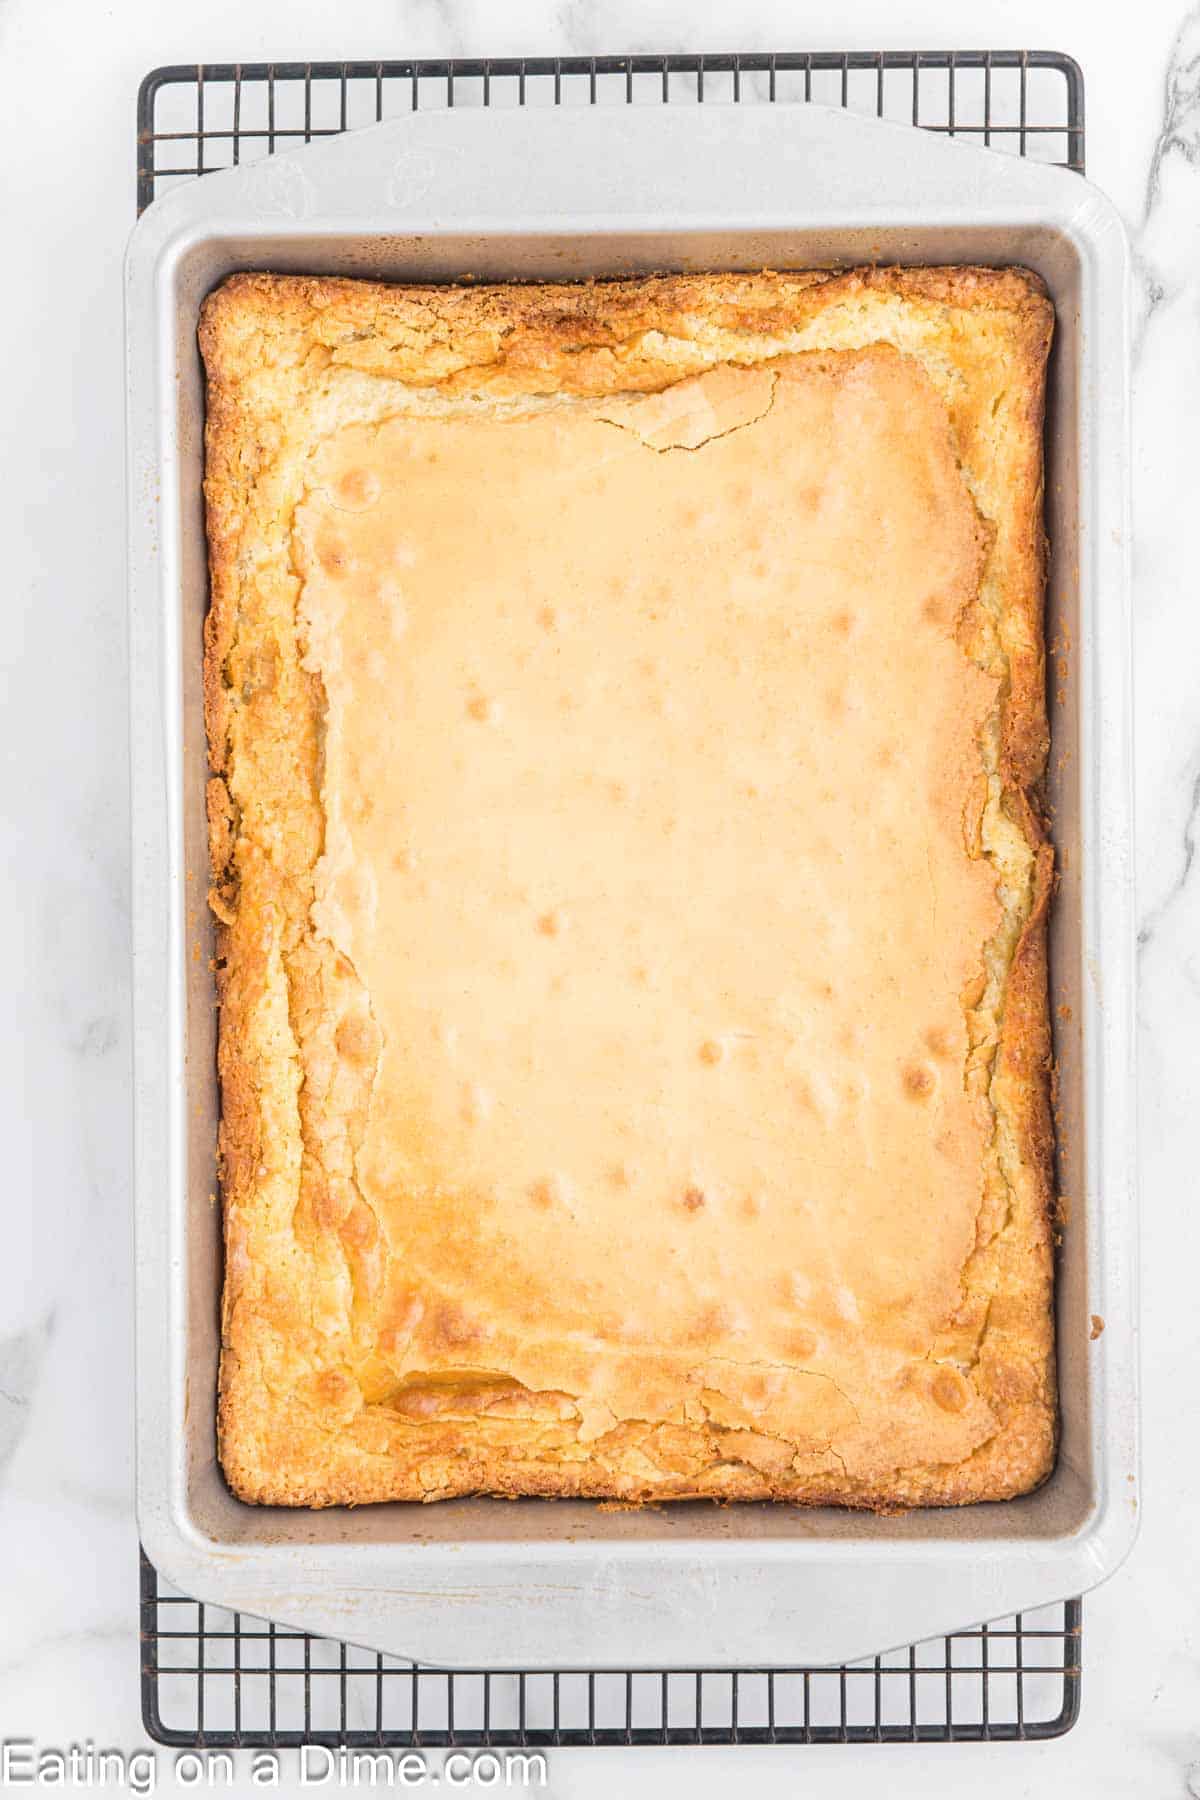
{"points": [[68, 74]]}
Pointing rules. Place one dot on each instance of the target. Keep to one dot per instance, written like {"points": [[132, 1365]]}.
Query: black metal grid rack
{"points": [[217, 1680], [198, 117]]}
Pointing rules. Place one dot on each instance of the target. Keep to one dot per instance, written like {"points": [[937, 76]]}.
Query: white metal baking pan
{"points": [[591, 193]]}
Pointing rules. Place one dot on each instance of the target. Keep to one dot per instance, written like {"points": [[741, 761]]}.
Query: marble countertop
{"points": [[68, 76]]}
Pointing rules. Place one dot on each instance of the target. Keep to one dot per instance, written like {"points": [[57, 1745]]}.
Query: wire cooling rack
{"points": [[198, 117], [218, 1680]]}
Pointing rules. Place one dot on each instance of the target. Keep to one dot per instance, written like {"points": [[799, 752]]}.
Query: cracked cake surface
{"points": [[627, 726]]}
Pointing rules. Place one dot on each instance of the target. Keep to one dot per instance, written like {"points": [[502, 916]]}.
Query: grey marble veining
{"points": [[1166, 243], [21, 1357]]}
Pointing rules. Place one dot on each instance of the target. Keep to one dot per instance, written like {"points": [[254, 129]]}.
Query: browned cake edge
{"points": [[585, 339]]}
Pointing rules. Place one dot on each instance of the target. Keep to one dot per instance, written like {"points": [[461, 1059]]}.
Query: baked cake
{"points": [[627, 725]]}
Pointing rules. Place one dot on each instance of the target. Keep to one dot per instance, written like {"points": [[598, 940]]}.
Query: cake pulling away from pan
{"points": [[627, 726]]}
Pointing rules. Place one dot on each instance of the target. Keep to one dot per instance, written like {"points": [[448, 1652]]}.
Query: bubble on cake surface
{"points": [[800, 1344], [334, 556], [551, 1191], [357, 490], [919, 1081], [949, 1390], [357, 1038]]}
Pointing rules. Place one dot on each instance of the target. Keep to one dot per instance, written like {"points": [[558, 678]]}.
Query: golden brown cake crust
{"points": [[321, 1400]]}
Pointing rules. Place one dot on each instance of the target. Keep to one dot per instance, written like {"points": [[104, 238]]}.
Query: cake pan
{"points": [[570, 194]]}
